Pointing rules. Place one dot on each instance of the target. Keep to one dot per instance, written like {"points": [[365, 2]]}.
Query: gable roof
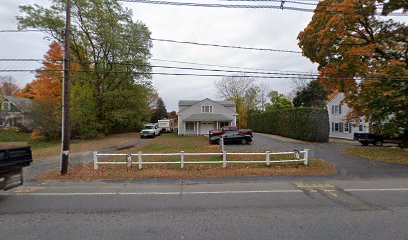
{"points": [[24, 104], [188, 103], [333, 96]]}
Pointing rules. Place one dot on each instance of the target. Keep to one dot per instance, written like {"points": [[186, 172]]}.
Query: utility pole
{"points": [[66, 128]]}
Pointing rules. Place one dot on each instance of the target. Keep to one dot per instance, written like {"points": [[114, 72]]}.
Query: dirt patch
{"points": [[87, 145], [86, 172]]}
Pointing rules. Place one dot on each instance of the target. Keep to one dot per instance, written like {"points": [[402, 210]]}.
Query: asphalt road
{"points": [[364, 200], [193, 210], [347, 166]]}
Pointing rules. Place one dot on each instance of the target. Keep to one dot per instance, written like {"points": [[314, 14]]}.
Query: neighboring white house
{"points": [[340, 127], [199, 117]]}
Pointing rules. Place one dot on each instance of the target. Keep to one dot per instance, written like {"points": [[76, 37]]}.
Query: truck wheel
{"points": [[378, 143], [243, 141], [364, 143]]}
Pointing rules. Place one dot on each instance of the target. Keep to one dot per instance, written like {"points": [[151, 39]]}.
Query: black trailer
{"points": [[12, 161]]}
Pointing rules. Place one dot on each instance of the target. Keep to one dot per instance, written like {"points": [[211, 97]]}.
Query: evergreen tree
{"points": [[160, 112], [313, 95]]}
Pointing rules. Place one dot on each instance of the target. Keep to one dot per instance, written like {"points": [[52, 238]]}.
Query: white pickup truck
{"points": [[150, 130]]}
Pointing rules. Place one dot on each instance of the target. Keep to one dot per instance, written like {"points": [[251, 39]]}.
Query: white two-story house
{"points": [[340, 126], [199, 117]]}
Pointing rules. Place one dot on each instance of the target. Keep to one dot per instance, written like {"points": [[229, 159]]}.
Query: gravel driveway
{"points": [[346, 165]]}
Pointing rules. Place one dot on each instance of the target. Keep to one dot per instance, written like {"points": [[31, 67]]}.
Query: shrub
{"points": [[310, 124], [38, 135]]}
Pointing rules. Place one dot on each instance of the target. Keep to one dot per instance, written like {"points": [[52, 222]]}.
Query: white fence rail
{"points": [[129, 162]]}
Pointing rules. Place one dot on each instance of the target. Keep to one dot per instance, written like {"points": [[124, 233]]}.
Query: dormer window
{"points": [[206, 109]]}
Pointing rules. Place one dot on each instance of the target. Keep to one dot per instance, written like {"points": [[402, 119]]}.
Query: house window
{"points": [[332, 126], [346, 127], [350, 128], [190, 126], [336, 127], [6, 106], [341, 127], [206, 109], [360, 128], [223, 124], [336, 109]]}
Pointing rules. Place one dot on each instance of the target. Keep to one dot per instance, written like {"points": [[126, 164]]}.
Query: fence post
{"points": [[139, 159], [182, 159], [95, 158], [129, 161], [224, 159], [306, 156], [222, 144], [268, 158]]}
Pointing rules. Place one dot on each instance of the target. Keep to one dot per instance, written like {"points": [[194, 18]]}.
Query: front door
{"points": [[206, 127]]}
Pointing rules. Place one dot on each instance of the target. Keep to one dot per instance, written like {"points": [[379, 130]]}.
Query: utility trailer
{"points": [[167, 125]]}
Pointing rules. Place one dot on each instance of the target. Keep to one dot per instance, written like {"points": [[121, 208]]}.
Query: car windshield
{"points": [[149, 127]]}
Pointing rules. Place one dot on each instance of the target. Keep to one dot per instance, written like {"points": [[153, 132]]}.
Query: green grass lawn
{"points": [[9, 136], [386, 154]]}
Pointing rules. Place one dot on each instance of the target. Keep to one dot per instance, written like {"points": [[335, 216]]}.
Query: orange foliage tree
{"points": [[48, 83], [362, 55], [46, 92]]}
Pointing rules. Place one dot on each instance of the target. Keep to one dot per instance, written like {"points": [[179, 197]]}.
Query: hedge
{"points": [[304, 123]]}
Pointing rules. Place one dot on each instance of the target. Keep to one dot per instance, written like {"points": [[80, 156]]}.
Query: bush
{"points": [[38, 135], [13, 129], [310, 124]]}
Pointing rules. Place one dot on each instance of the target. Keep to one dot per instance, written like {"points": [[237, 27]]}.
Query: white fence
{"points": [[129, 162]]}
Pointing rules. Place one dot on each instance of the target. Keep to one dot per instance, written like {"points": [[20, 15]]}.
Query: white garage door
{"points": [[205, 127]]}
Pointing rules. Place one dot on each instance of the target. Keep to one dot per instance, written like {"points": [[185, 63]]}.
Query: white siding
{"points": [[203, 127], [338, 119]]}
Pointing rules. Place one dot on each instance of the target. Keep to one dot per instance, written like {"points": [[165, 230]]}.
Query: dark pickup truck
{"points": [[376, 139], [12, 161], [226, 129]]}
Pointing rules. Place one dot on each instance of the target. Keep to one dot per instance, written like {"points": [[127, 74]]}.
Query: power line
{"points": [[224, 66], [193, 43], [301, 2], [165, 60], [19, 30], [225, 46], [213, 5], [207, 75], [267, 72]]}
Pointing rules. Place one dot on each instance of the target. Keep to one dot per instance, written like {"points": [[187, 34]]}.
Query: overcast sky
{"points": [[262, 28]]}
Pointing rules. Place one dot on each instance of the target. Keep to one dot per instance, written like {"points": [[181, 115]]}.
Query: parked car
{"points": [[376, 139], [231, 137], [150, 130], [227, 129], [12, 161]]}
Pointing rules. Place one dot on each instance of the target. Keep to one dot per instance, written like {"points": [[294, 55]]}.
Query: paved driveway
{"points": [[346, 165]]}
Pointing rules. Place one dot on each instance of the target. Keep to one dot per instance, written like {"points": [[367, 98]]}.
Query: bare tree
{"points": [[8, 87], [263, 95], [299, 83], [234, 87]]}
